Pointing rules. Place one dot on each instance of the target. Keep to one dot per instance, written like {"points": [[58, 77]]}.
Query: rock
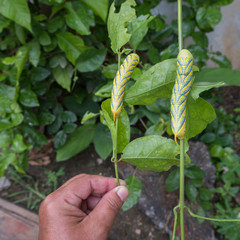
{"points": [[4, 183], [158, 204]]}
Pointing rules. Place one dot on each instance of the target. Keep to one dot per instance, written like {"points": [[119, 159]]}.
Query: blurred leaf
{"points": [[4, 23], [28, 98], [99, 7], [208, 137], [69, 127], [117, 22], [71, 44], [110, 70], [30, 118], [34, 137], [76, 142], [62, 77], [134, 186], [201, 19], [77, 19], [188, 28], [222, 61], [172, 181], [68, 117], [213, 16], [138, 29], [194, 172], [205, 194], [91, 59], [5, 139], [45, 117], [21, 34], [200, 39], [20, 60], [17, 11], [44, 38], [38, 74], [55, 23], [88, 115], [123, 136], [153, 153], [191, 191], [34, 53], [227, 76], [60, 139], [105, 90], [102, 141], [18, 144]]}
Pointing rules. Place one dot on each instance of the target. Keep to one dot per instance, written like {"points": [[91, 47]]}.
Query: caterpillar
{"points": [[180, 91], [119, 83]]}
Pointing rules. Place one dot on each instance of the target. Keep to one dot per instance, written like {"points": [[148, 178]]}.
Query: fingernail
{"points": [[122, 182], [122, 192]]}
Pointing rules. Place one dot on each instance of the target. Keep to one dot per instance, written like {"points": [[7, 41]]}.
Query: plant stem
{"points": [[180, 32], [115, 154], [115, 160], [175, 221], [181, 192]]}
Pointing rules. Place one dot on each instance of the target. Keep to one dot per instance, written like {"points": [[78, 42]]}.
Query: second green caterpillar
{"points": [[180, 91], [119, 83]]}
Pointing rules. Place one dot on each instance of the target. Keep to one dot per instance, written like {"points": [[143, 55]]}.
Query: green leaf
{"points": [[69, 127], [117, 23], [60, 139], [105, 90], [39, 74], [76, 142], [20, 33], [123, 136], [88, 115], [28, 98], [191, 191], [20, 60], [208, 137], [44, 38], [68, 117], [77, 20], [45, 117], [34, 53], [4, 23], [222, 61], [138, 29], [6, 159], [134, 186], [153, 153], [62, 77], [18, 144], [99, 7], [30, 118], [172, 181], [71, 44], [34, 137], [194, 172], [202, 19], [5, 139], [56, 23], [156, 82], [17, 11], [200, 39], [102, 141], [214, 75], [199, 114], [213, 16], [200, 87], [205, 194], [110, 70], [91, 59]]}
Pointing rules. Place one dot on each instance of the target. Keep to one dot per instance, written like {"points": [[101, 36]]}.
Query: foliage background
{"points": [[57, 64]]}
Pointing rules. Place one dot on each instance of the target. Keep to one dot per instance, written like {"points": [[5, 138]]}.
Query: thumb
{"points": [[107, 209]]}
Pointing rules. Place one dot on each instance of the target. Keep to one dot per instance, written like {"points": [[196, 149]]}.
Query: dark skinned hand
{"points": [[84, 208]]}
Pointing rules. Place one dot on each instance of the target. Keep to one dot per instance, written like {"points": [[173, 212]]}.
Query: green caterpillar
{"points": [[119, 83], [180, 91]]}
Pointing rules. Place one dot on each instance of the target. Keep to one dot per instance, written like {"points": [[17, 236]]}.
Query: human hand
{"points": [[85, 208]]}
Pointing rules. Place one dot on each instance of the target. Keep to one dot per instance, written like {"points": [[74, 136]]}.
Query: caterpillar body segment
{"points": [[180, 91], [119, 83]]}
